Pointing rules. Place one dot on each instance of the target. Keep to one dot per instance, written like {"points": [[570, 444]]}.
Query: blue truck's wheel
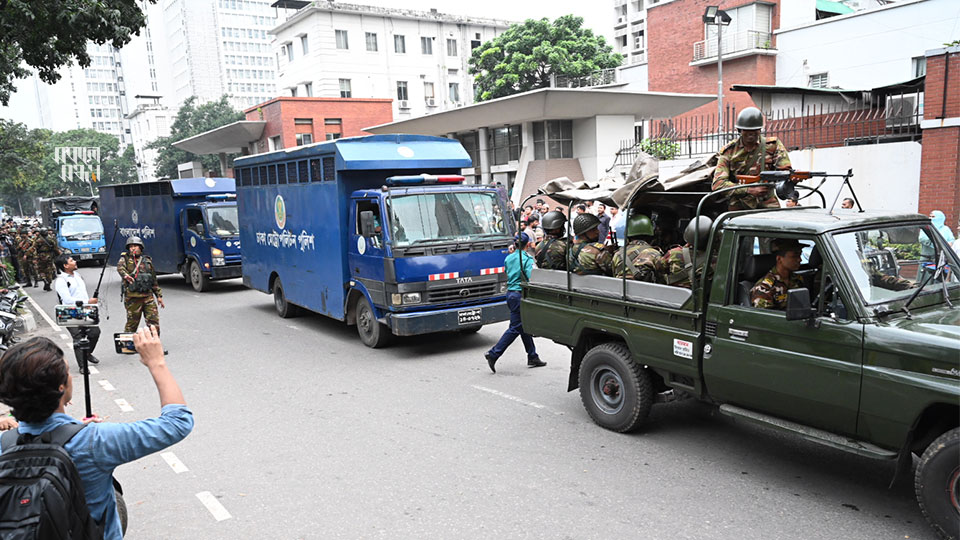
{"points": [[285, 309], [373, 334], [616, 392], [937, 483], [198, 280]]}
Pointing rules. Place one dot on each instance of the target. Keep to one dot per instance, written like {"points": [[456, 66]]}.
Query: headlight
{"points": [[396, 298], [503, 287], [411, 298], [102, 249], [214, 252]]}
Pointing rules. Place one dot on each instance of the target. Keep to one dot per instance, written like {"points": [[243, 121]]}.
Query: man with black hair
{"points": [[36, 383], [70, 290], [771, 291]]}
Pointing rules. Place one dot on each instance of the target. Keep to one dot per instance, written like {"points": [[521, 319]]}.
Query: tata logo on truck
{"points": [[280, 212]]}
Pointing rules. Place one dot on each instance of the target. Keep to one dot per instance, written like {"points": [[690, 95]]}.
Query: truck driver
{"points": [[771, 291]]}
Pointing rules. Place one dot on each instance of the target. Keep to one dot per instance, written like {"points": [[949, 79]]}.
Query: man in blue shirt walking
{"points": [[517, 264]]}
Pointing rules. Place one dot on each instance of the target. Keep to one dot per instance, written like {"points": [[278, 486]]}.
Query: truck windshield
{"points": [[888, 263], [437, 217], [81, 228], [223, 220]]}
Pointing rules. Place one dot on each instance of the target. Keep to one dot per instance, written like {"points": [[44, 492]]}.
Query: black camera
{"points": [[77, 315]]}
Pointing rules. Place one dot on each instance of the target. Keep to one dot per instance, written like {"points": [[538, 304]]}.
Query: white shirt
{"points": [[71, 288]]}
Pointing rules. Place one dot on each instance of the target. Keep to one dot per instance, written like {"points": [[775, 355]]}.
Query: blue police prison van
{"points": [[377, 231], [188, 226], [77, 226]]}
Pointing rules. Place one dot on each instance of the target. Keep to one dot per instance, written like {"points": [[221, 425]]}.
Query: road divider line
{"points": [[519, 400], [213, 505], [93, 370], [124, 406], [174, 462], [105, 384]]}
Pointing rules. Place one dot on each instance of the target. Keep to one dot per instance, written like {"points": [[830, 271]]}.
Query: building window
{"points": [[345, 90], [308, 89], [399, 44], [402, 93], [333, 127], [553, 139], [818, 80], [426, 45], [471, 143], [289, 51], [303, 121], [304, 138], [505, 144], [919, 66], [275, 144], [305, 44], [474, 43], [428, 91], [333, 136], [342, 42], [371, 42], [451, 47], [293, 91], [453, 90]]}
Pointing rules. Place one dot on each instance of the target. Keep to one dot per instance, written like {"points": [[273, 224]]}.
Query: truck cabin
{"points": [[215, 218]]}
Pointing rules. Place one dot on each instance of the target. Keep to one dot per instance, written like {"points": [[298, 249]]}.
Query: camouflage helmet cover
{"points": [[585, 223]]}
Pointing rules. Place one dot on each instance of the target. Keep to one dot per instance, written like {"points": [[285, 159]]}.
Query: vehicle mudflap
{"points": [[576, 357]]}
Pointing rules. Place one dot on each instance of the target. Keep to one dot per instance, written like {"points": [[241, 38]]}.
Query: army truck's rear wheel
{"points": [[373, 334], [198, 280], [285, 309], [616, 392], [937, 483]]}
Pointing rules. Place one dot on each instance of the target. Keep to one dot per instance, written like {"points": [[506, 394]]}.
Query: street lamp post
{"points": [[716, 16]]}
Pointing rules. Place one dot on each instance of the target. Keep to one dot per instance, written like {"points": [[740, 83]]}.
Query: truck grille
{"points": [[460, 293]]}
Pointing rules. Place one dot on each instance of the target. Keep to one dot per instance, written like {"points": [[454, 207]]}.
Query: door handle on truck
{"points": [[739, 335]]}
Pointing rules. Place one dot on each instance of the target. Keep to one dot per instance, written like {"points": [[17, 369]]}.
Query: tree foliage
{"points": [[193, 119], [21, 151], [48, 34], [115, 167], [525, 56]]}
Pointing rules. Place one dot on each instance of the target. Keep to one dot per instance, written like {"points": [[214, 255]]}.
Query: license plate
{"points": [[85, 256], [470, 316]]}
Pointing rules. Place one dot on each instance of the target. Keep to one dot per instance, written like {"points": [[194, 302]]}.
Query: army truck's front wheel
{"points": [[616, 392], [937, 483]]}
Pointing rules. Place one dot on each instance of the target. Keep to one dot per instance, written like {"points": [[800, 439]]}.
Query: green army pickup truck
{"points": [[865, 358]]}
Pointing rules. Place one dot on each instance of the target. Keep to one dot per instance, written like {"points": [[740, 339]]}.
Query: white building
{"points": [[331, 49], [149, 121], [630, 40]]}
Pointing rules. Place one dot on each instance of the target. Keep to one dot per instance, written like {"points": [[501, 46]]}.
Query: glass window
{"points": [[451, 47], [371, 41], [453, 90], [428, 90], [345, 88], [402, 94], [223, 221], [818, 80], [304, 138], [471, 143], [305, 44], [342, 42], [505, 144], [426, 45], [399, 44], [417, 219], [289, 51], [553, 139], [308, 89]]}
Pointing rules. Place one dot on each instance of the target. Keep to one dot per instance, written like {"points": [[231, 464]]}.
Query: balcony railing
{"points": [[732, 43], [597, 78]]}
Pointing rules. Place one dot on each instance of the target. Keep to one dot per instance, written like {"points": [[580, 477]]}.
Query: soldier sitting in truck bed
{"points": [[642, 260], [771, 291], [588, 256]]}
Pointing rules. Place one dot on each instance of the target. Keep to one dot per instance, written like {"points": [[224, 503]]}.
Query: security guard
{"points": [[747, 156], [643, 260], [588, 256], [139, 286], [552, 250]]}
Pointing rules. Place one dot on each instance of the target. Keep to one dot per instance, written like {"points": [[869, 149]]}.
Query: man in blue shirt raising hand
{"points": [[517, 264]]}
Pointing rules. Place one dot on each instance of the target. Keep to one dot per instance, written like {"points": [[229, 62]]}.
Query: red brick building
{"points": [[940, 160], [294, 121]]}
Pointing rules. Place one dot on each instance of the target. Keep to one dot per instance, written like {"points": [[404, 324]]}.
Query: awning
{"points": [[832, 6], [229, 139]]}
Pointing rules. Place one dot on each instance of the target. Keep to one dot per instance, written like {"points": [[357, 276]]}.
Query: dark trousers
{"points": [[515, 329], [93, 334]]}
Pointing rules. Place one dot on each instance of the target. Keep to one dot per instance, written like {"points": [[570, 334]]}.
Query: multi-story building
{"points": [[331, 49], [630, 40], [149, 121]]}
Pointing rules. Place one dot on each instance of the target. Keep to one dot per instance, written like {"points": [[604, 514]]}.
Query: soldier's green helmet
{"points": [[553, 220], [750, 118], [585, 223], [639, 225], [698, 229], [134, 240]]}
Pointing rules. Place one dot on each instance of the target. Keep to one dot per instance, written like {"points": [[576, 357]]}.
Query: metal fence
{"points": [[597, 78], [890, 118]]}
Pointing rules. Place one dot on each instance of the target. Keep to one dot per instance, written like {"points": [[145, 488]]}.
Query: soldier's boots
{"points": [[46, 285]]}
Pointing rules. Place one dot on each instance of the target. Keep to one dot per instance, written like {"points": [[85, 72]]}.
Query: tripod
{"points": [[86, 349]]}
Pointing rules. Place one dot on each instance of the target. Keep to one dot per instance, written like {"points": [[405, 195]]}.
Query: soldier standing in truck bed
{"points": [[747, 156]]}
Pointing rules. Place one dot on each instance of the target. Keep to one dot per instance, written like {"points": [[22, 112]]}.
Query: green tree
{"points": [[193, 119], [21, 177], [525, 56], [49, 34], [115, 167]]}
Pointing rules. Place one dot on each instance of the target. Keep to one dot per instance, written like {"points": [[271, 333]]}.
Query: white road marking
{"points": [[174, 462], [65, 337], [43, 313], [522, 401], [93, 370], [292, 327], [213, 505], [105, 384], [124, 406]]}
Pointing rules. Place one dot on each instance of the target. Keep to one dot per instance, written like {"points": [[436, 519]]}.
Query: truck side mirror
{"points": [[798, 305], [366, 224]]}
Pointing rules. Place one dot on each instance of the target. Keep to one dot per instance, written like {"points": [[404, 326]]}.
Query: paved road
{"points": [[302, 432]]}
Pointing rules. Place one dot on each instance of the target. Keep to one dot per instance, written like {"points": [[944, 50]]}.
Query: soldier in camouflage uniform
{"points": [[588, 256], [771, 291], [47, 251], [746, 156], [551, 252], [28, 256], [678, 261], [643, 260], [139, 286]]}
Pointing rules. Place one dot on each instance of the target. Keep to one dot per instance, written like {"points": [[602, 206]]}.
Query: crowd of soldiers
{"points": [[31, 249]]}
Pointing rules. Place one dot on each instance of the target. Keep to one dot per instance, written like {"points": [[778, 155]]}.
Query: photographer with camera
{"points": [[35, 381], [70, 290]]}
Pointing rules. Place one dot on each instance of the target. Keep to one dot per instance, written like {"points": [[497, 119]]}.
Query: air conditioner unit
{"points": [[403, 104], [901, 111], [431, 102]]}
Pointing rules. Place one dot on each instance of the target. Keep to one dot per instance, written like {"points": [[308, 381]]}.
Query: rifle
{"points": [[776, 176], [116, 229]]}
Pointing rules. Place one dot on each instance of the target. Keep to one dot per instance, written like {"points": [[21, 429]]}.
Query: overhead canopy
{"points": [[229, 139], [832, 6], [549, 104]]}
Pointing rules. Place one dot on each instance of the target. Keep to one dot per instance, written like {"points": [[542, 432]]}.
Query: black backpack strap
{"points": [[62, 434]]}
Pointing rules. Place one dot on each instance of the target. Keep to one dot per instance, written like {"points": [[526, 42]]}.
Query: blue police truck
{"points": [[188, 226], [77, 226], [377, 231]]}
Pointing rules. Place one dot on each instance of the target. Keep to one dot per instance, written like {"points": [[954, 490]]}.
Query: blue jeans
{"points": [[515, 329]]}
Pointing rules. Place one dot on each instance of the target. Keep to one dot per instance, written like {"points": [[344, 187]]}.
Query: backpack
{"points": [[41, 494]]}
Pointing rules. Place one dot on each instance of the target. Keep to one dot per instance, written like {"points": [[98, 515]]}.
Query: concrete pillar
{"points": [[940, 156], [485, 177], [223, 163]]}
